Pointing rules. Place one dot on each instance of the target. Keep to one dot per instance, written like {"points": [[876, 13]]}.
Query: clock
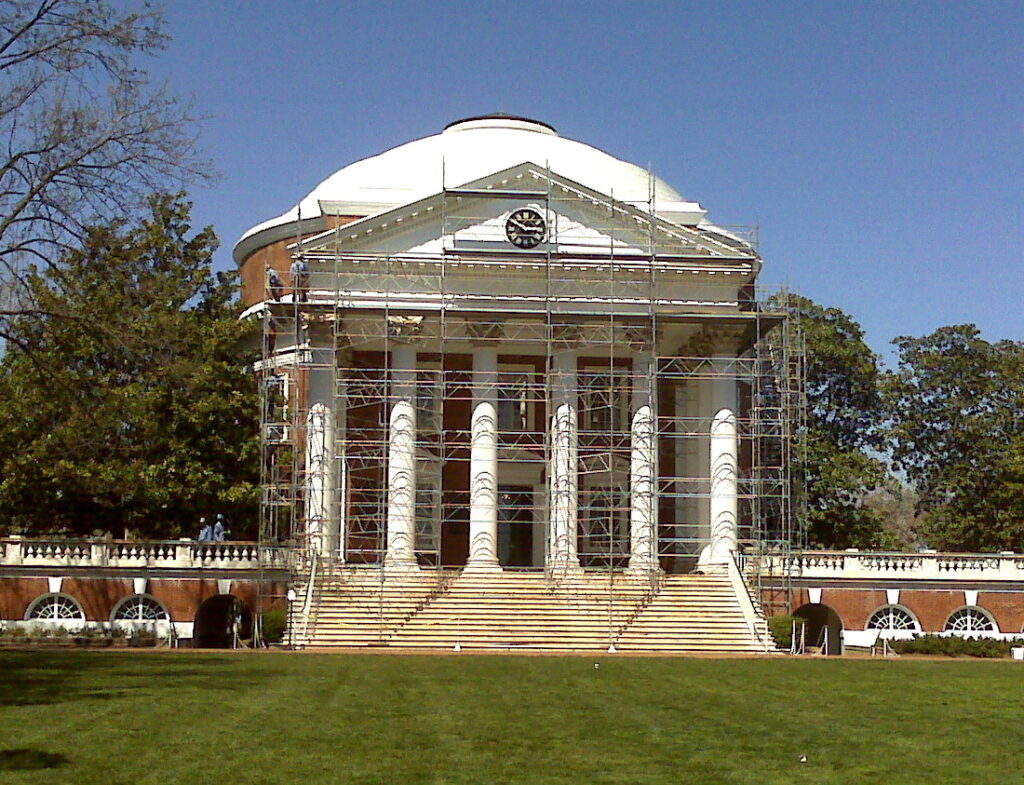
{"points": [[525, 228]]}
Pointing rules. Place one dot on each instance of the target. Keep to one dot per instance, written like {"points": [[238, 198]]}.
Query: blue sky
{"points": [[878, 146]]}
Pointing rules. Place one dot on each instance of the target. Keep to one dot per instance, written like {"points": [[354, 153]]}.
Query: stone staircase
{"points": [[364, 607], [509, 610], [695, 613], [526, 611]]}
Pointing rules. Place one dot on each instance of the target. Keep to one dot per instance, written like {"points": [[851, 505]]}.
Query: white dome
{"points": [[465, 151]]}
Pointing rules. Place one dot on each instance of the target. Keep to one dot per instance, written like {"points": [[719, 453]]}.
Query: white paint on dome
{"points": [[467, 151]]}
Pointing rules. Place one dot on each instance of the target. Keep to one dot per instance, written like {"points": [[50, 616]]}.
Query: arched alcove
{"points": [[220, 622], [824, 627]]}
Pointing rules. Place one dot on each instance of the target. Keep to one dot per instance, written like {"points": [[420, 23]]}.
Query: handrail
{"points": [[755, 620], [307, 603]]}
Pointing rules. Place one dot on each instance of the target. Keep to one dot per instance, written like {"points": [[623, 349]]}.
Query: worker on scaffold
{"points": [[275, 288], [300, 280]]}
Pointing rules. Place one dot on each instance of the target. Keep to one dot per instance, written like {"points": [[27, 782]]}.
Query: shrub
{"points": [[143, 636], [953, 646], [274, 623], [781, 628]]}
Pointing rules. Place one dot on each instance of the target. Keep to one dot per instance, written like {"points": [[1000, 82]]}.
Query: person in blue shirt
{"points": [[219, 529], [300, 280], [274, 285], [205, 531]]}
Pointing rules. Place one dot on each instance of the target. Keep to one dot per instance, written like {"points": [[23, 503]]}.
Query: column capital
{"points": [[405, 328], [717, 339]]}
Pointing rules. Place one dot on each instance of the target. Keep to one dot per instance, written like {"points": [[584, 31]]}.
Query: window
{"points": [[971, 619], [428, 400], [602, 401], [893, 617], [275, 402], [139, 607], [513, 405], [515, 504], [428, 516], [55, 607], [604, 526]]}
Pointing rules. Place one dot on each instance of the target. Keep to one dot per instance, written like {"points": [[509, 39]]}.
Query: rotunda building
{"points": [[501, 352]]}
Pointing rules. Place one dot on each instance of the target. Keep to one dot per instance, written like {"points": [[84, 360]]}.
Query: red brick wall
{"points": [[931, 606], [16, 594], [99, 596], [276, 255]]}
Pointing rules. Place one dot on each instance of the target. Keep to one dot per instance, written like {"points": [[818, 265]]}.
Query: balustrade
{"points": [[928, 565], [179, 554]]}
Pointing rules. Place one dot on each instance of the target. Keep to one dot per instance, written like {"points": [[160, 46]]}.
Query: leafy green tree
{"points": [[841, 463], [956, 405], [129, 406]]}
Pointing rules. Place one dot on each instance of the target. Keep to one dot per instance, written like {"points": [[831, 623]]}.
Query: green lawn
{"points": [[121, 717]]}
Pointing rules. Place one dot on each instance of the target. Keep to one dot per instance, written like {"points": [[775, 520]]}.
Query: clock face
{"points": [[525, 228]]}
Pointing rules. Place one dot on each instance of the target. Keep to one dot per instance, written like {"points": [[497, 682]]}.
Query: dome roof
{"points": [[465, 151]]}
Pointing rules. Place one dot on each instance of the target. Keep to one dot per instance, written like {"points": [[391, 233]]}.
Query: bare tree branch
{"points": [[85, 136]]}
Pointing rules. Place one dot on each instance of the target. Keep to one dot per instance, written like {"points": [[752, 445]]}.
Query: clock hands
{"points": [[523, 227]]}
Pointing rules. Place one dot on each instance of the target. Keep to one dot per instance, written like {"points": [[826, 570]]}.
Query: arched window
{"points": [[893, 617], [140, 607], [55, 607], [971, 619]]}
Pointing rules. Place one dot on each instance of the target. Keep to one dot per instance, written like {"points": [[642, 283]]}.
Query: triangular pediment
{"points": [[473, 219]]}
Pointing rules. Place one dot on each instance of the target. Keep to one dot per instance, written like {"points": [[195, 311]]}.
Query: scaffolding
{"points": [[650, 311]]}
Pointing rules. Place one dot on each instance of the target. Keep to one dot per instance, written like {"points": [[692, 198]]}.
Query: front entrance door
{"points": [[515, 526], [454, 543]]}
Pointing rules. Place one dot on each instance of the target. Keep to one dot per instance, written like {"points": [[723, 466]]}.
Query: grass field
{"points": [[122, 717]]}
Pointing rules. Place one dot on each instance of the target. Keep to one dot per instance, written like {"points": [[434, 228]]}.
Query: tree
{"points": [[841, 465], [85, 136], [133, 409], [956, 409]]}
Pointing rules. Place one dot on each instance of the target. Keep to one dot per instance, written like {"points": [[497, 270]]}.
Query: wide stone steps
{"points": [[684, 617], [480, 611], [511, 611], [362, 607]]}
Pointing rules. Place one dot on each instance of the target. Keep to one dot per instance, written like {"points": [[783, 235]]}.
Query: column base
{"points": [[568, 568], [400, 565], [713, 561], [642, 569], [482, 566]]}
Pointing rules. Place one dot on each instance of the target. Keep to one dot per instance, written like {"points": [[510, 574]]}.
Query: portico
{"points": [[519, 434]]}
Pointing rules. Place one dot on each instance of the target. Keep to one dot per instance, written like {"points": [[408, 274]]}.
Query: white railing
{"points": [[157, 554], [926, 565], [746, 599]]}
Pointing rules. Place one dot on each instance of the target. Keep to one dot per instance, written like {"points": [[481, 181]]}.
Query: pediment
{"points": [[580, 222]]}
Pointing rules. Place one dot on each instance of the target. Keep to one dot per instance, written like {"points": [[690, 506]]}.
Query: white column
{"points": [[401, 535], [319, 478], [724, 466], [642, 527], [564, 463], [341, 469], [483, 462]]}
